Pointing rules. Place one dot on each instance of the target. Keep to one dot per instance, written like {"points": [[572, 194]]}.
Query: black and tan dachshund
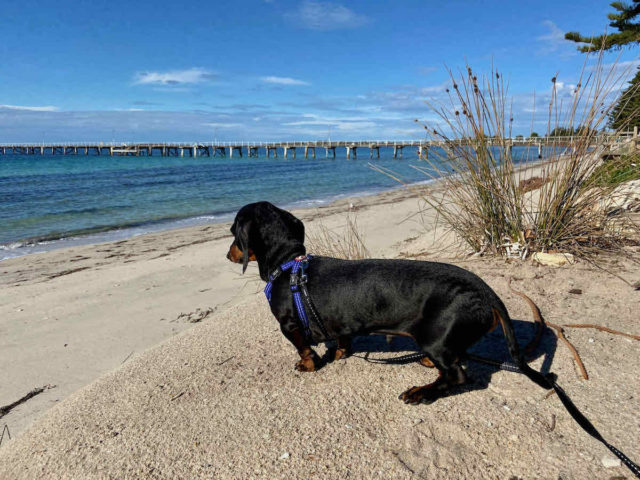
{"points": [[446, 309]]}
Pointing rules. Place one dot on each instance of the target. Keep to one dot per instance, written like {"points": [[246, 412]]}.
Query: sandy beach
{"points": [[70, 315], [167, 364]]}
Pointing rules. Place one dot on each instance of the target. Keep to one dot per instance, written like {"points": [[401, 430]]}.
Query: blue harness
{"points": [[298, 287]]}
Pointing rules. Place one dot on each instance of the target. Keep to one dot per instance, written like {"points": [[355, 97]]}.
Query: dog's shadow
{"points": [[492, 346]]}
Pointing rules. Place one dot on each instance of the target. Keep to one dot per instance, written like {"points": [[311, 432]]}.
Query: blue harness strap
{"points": [[298, 278]]}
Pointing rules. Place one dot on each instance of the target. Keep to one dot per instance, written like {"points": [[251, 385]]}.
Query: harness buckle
{"points": [[303, 266]]}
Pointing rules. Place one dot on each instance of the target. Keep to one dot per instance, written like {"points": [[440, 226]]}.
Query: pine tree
{"points": [[628, 31], [625, 114]]}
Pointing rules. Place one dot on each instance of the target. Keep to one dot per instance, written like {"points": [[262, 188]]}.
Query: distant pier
{"points": [[286, 149]]}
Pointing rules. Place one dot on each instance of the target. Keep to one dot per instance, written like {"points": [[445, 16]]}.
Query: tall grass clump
{"points": [[345, 242], [483, 201]]}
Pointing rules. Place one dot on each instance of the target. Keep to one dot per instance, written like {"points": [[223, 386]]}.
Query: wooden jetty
{"points": [[271, 149]]}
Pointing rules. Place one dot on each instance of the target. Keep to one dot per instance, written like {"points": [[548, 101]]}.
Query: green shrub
{"points": [[616, 170]]}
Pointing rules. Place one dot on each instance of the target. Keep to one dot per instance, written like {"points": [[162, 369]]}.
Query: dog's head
{"points": [[265, 233]]}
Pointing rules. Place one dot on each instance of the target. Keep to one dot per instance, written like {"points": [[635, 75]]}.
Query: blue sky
{"points": [[269, 70]]}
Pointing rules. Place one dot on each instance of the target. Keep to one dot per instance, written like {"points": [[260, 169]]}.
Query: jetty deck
{"points": [[290, 148]]}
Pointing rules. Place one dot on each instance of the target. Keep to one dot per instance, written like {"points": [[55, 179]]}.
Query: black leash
{"points": [[401, 360], [576, 414]]}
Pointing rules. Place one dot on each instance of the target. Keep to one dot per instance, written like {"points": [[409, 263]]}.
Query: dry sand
{"points": [[221, 399]]}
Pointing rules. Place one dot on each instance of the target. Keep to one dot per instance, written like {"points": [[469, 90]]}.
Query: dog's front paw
{"points": [[418, 395], [306, 364]]}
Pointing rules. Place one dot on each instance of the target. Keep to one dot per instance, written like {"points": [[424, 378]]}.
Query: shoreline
{"points": [[30, 246]]}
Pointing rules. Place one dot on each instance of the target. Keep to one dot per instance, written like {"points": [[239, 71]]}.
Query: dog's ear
{"points": [[299, 229], [242, 237], [294, 226]]}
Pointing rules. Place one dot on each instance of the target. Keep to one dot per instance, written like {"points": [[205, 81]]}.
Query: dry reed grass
{"points": [[482, 200], [345, 242]]}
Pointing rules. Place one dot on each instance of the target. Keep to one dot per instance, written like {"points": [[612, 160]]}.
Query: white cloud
{"points": [[325, 16], [442, 88], [47, 108], [283, 81], [625, 70], [223, 125], [554, 42], [313, 119], [358, 127], [346, 124], [174, 77], [565, 88], [427, 70]]}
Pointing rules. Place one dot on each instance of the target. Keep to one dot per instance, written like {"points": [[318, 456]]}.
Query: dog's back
{"points": [[363, 296]]}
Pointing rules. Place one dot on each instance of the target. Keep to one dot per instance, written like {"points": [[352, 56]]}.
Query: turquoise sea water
{"points": [[52, 201]]}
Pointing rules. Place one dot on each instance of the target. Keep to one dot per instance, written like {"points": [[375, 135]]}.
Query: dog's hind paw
{"points": [[336, 354]]}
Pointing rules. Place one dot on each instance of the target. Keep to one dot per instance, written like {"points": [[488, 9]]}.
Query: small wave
{"points": [[12, 246], [106, 209]]}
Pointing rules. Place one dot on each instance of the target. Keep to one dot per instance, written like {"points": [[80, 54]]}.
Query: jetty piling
{"points": [[306, 151]]}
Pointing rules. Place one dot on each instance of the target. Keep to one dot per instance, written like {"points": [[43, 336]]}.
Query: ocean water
{"points": [[49, 202]]}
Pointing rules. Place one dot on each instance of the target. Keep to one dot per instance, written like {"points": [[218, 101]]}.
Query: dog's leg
{"points": [[450, 375], [426, 362], [309, 360], [343, 349]]}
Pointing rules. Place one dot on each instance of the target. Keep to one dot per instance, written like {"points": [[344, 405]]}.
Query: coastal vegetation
{"points": [[493, 205], [346, 242], [616, 171]]}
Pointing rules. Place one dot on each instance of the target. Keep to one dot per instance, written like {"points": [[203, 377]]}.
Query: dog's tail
{"points": [[514, 350]]}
